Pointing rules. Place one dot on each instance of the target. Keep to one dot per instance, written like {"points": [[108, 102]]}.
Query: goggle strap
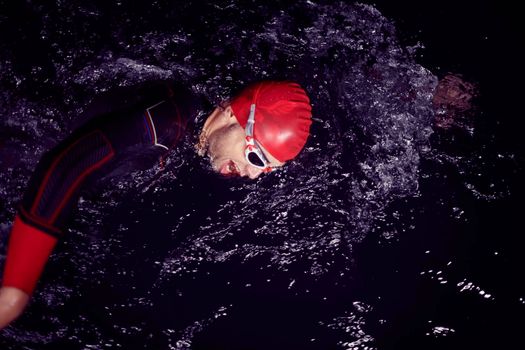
{"points": [[251, 121], [252, 144]]}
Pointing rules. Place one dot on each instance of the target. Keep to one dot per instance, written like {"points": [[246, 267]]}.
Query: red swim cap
{"points": [[283, 115]]}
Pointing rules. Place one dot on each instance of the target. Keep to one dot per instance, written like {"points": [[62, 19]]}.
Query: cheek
{"points": [[233, 148], [228, 144]]}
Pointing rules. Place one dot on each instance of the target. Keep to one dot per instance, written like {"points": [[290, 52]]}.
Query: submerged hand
{"points": [[12, 303]]}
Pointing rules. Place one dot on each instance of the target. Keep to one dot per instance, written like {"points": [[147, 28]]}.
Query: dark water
{"points": [[386, 233]]}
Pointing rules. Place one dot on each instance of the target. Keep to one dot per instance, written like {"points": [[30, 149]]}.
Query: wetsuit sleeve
{"points": [[63, 172], [29, 250]]}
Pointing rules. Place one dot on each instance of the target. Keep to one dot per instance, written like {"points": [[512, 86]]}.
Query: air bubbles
{"points": [[352, 325], [440, 331], [466, 286]]}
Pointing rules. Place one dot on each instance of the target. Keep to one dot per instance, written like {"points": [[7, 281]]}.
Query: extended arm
{"points": [[59, 178]]}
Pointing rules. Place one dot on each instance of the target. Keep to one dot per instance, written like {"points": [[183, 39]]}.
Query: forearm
{"points": [[28, 252]]}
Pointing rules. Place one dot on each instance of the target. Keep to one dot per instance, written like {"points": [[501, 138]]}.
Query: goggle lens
{"points": [[254, 159]]}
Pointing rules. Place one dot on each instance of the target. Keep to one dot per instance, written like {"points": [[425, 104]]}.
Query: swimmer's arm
{"points": [[51, 195]]}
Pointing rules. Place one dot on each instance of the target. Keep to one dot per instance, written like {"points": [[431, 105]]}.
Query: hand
{"points": [[12, 303]]}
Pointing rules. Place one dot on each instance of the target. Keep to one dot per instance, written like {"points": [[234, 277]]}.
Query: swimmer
{"points": [[258, 131]]}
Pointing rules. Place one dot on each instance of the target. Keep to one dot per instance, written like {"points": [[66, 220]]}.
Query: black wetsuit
{"points": [[150, 122]]}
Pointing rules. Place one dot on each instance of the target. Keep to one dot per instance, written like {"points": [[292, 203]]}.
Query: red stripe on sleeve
{"points": [[27, 254], [77, 183]]}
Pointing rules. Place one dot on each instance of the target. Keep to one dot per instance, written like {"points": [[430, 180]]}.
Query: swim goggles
{"points": [[252, 151]]}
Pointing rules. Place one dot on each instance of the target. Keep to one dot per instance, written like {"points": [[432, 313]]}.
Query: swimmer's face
{"points": [[226, 144]]}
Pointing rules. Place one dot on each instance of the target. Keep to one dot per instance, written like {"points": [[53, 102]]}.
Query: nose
{"points": [[251, 171]]}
